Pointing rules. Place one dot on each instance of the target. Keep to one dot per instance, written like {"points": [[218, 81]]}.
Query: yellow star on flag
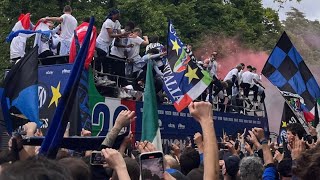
{"points": [[55, 95], [191, 74], [175, 45], [284, 124]]}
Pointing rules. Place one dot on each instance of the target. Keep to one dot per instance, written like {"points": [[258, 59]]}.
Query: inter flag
{"points": [[53, 139], [150, 125], [81, 31], [21, 90], [286, 70], [183, 79]]}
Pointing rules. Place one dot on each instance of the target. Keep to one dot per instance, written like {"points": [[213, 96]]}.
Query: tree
{"points": [[305, 35]]}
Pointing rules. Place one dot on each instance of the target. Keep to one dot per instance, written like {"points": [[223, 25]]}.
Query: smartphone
{"points": [[151, 165], [96, 158]]}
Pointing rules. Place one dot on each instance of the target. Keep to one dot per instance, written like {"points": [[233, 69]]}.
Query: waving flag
{"points": [[21, 90], [150, 125], [286, 70], [81, 31], [184, 81], [40, 38], [52, 142], [24, 28]]}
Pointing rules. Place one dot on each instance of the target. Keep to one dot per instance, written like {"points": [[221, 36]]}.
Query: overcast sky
{"points": [[309, 7]]}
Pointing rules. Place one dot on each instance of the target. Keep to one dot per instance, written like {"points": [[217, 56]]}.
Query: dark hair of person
{"points": [[67, 8], [296, 129], [189, 160], [308, 164], [242, 64], [153, 51], [132, 168], [284, 167], [78, 168], [35, 168], [154, 39], [131, 25], [113, 12], [86, 19]]}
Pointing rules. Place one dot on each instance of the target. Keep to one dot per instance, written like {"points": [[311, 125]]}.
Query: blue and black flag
{"points": [[53, 139], [286, 70], [20, 91]]}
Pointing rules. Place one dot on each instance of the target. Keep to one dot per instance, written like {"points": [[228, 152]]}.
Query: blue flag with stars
{"points": [[183, 79]]}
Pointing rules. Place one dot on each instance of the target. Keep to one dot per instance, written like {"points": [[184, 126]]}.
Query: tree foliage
{"points": [[257, 27], [305, 34]]}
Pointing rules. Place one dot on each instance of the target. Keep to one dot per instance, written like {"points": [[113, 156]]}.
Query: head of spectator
{"points": [[86, 19], [36, 168], [78, 168], [114, 15], [308, 164], [284, 168], [254, 70], [129, 26], [294, 129], [251, 168], [173, 168], [249, 68], [239, 67], [137, 31], [214, 55], [189, 160], [243, 66], [171, 163], [189, 47], [153, 51], [154, 39], [132, 168], [67, 9], [50, 24], [231, 167]]}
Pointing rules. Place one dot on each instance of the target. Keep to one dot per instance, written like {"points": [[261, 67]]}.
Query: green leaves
{"points": [[255, 26]]}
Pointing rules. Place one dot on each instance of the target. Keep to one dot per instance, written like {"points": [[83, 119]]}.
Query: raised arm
{"points": [[122, 120], [202, 112]]}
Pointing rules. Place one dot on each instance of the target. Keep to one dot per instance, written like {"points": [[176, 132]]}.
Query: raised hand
{"points": [[145, 147], [201, 111], [124, 118], [298, 146]]}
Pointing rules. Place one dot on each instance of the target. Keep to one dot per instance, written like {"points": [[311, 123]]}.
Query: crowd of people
{"points": [[118, 54], [248, 155]]}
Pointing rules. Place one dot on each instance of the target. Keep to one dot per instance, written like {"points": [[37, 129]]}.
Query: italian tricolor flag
{"points": [[150, 125]]}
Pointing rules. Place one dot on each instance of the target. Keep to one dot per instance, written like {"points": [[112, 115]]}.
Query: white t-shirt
{"points": [[103, 39], [133, 53], [233, 72], [213, 66], [247, 77], [68, 25], [256, 77], [17, 47]]}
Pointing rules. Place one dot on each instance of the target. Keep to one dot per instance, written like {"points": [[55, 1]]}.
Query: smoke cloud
{"points": [[231, 53]]}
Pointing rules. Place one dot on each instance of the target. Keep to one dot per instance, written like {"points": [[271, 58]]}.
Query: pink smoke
{"points": [[230, 54]]}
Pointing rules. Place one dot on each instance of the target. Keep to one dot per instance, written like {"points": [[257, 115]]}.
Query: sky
{"points": [[309, 7]]}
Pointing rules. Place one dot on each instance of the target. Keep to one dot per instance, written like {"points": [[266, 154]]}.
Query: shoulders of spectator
{"points": [[270, 173]]}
